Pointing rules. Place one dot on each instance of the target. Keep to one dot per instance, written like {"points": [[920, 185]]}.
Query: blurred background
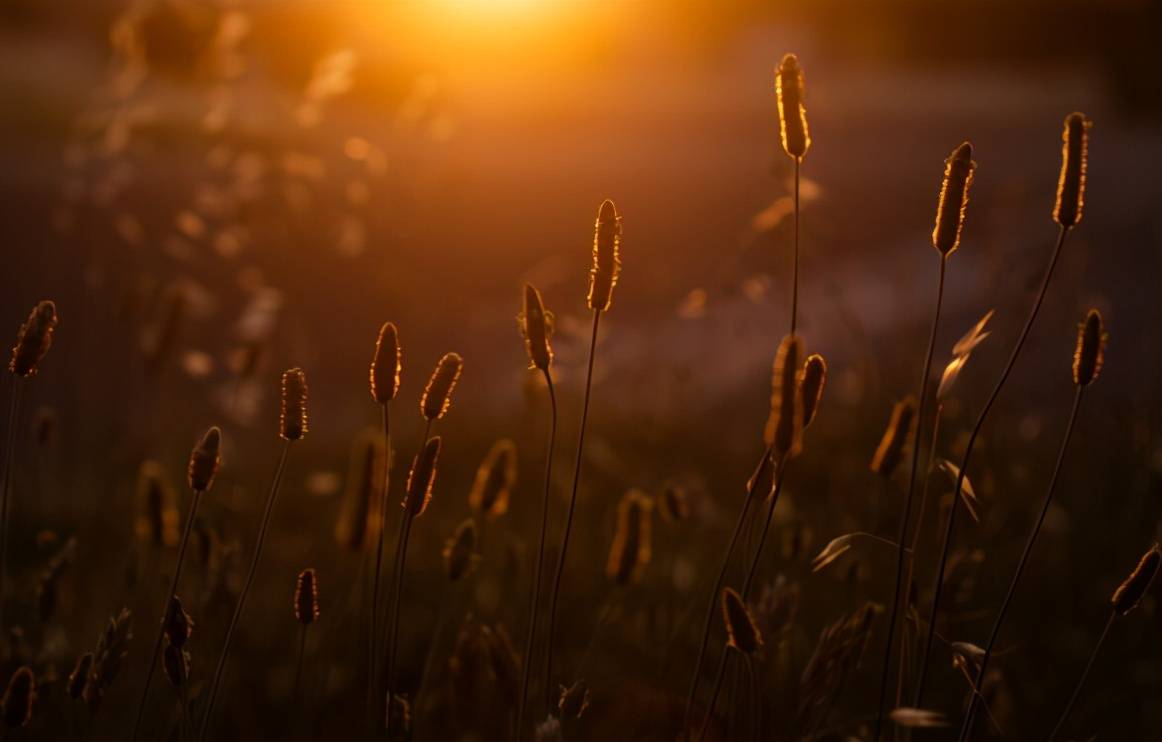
{"points": [[213, 191]]}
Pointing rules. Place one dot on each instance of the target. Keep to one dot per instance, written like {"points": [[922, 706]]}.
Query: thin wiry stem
{"points": [[711, 603], [207, 717], [537, 579], [173, 588], [1081, 683], [795, 273], [393, 623], [938, 582], [299, 664], [555, 594], [429, 661], [966, 728], [373, 636], [905, 517], [756, 714], [746, 588], [9, 449]]}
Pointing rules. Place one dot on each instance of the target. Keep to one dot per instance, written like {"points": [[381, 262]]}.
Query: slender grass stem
{"points": [[1085, 674], [938, 582], [9, 451], [747, 584], [433, 647], [537, 573], [555, 594], [373, 636], [393, 623], [299, 665], [710, 604], [756, 715], [966, 728], [905, 517], [208, 715], [795, 272], [173, 588]]}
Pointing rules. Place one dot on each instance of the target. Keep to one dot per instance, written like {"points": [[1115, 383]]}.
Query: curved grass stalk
{"points": [[1085, 674], [208, 715], [969, 717], [555, 594], [373, 635], [938, 581], [537, 576], [905, 518]]}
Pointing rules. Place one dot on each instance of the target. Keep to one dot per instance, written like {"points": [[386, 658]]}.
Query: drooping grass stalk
{"points": [[204, 462], [1084, 675], [9, 456], [554, 594], [966, 728], [536, 327], [1067, 213]]}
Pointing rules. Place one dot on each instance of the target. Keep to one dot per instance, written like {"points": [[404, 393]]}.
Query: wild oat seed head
{"points": [[573, 701], [606, 257], [421, 478], [494, 481], [33, 339], [632, 542], [1128, 594], [19, 698], [958, 169], [76, 682], [292, 420], [178, 624], [814, 378], [784, 429], [438, 393], [386, 365], [460, 551], [1091, 349], [536, 326], [307, 597], [1074, 163], [792, 114], [741, 631], [205, 460], [891, 449]]}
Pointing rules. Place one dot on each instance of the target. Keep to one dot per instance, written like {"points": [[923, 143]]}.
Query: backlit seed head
{"points": [[460, 551], [33, 339], [784, 429], [178, 624], [1091, 349], [958, 169], [1074, 163], [79, 676], [1126, 597], [792, 114], [811, 387], [386, 365], [536, 326], [606, 257], [292, 421], [205, 460], [19, 698], [891, 449], [741, 631], [632, 542], [421, 478], [307, 597], [494, 481], [438, 393]]}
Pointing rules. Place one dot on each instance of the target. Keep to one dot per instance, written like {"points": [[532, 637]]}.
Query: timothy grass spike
{"points": [[1090, 353], [460, 551], [784, 428], [386, 364], [19, 698], [792, 114], [891, 449], [632, 542], [814, 378], [950, 210], [495, 479], [606, 257], [307, 597], [421, 478], [205, 460], [536, 326], [33, 339], [292, 422], [437, 395], [1074, 162]]}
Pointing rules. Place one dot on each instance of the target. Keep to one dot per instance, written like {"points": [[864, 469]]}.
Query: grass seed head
{"points": [[741, 631], [19, 698], [1091, 349], [1074, 163], [76, 681], [205, 460], [606, 257], [632, 542], [891, 449], [178, 624], [292, 419], [495, 479], [672, 503], [460, 551], [421, 478], [792, 114], [784, 428], [386, 365], [536, 326], [958, 169], [358, 525], [814, 378], [307, 597], [33, 339], [1126, 597], [438, 393]]}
